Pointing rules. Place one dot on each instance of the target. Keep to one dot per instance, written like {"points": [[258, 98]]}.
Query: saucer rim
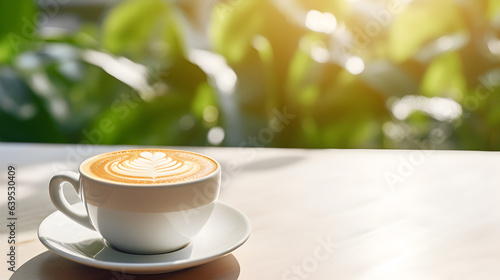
{"points": [[149, 268]]}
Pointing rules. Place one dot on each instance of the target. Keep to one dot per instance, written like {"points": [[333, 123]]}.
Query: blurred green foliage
{"points": [[310, 74]]}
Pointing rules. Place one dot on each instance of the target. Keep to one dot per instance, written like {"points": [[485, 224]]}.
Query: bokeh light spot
{"points": [[210, 114], [186, 122], [319, 52], [355, 65], [215, 135], [321, 22]]}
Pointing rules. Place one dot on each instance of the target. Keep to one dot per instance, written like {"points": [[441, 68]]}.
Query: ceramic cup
{"points": [[141, 216]]}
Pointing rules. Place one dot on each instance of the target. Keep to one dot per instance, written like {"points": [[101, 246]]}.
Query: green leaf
{"points": [[233, 32], [127, 123], [445, 77], [24, 116], [137, 28], [17, 27], [305, 80], [493, 9], [419, 23], [204, 97]]}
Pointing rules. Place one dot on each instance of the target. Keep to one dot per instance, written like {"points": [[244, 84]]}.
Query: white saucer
{"points": [[226, 230]]}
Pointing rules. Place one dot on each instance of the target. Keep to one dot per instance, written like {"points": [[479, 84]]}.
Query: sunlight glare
{"points": [[216, 135], [446, 43], [319, 52], [494, 46], [355, 65], [441, 109], [123, 69], [216, 66], [321, 22]]}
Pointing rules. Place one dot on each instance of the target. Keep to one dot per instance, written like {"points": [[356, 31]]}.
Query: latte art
{"points": [[152, 165], [149, 166]]}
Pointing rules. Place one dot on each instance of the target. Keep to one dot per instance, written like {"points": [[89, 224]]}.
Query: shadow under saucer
{"points": [[50, 266]]}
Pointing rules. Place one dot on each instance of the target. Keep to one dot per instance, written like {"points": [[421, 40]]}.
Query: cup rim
{"points": [[215, 173]]}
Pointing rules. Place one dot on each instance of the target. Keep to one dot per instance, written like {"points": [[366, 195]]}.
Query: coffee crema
{"points": [[149, 166]]}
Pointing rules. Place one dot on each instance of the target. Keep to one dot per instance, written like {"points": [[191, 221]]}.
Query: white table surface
{"points": [[316, 214]]}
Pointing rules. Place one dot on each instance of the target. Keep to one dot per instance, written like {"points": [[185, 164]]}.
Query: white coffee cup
{"points": [[138, 217]]}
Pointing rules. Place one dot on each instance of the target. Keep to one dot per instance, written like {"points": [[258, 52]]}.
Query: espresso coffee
{"points": [[149, 166]]}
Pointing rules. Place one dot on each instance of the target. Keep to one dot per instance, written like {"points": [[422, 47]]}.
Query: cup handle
{"points": [[59, 200]]}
